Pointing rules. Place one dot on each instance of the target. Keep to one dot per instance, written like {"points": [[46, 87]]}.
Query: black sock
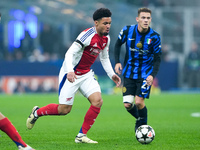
{"points": [[134, 112], [143, 115]]}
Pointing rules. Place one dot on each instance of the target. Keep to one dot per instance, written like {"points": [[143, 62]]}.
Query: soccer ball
{"points": [[145, 134]]}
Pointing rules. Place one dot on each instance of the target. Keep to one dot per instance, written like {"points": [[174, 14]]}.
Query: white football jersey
{"points": [[84, 51]]}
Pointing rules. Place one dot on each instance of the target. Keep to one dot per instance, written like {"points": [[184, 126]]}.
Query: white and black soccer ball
{"points": [[145, 134]]}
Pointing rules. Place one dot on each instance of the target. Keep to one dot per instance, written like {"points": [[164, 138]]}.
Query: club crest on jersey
{"points": [[139, 44], [148, 41], [95, 45]]}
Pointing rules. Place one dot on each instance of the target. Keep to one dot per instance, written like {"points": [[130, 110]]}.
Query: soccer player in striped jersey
{"points": [[75, 74], [141, 63]]}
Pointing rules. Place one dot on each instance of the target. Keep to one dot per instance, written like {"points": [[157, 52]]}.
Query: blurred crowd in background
{"points": [[50, 47], [59, 22]]}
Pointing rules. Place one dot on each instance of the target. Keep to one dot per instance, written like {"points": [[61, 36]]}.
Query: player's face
{"points": [[103, 26], [144, 20]]}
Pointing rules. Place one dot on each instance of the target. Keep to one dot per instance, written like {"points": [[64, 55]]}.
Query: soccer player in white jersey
{"points": [[75, 74]]}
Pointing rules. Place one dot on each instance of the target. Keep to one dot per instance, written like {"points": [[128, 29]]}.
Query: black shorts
{"points": [[136, 87]]}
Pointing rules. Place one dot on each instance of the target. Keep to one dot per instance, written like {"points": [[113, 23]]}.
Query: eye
{"points": [[105, 23]]}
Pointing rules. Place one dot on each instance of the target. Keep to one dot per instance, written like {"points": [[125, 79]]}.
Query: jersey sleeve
{"points": [[122, 38], [105, 61], [157, 55], [157, 44], [82, 39], [123, 34], [76, 50], [69, 56]]}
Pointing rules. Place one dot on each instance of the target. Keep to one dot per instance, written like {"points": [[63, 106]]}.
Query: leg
{"points": [[90, 117], [129, 92], [95, 99], [2, 116], [94, 110], [142, 111], [91, 90], [139, 101], [66, 99], [128, 101], [50, 109], [54, 109], [131, 108], [7, 127]]}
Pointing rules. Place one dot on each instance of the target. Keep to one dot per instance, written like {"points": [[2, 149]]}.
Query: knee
{"points": [[64, 109], [127, 105], [95, 99], [139, 104], [128, 101], [98, 102]]}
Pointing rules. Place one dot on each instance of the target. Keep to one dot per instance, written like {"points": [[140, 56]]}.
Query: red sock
{"points": [[89, 119], [50, 109], [7, 127]]}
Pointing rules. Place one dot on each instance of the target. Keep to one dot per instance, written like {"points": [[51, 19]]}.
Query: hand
{"points": [[71, 76], [118, 68], [149, 80], [117, 80]]}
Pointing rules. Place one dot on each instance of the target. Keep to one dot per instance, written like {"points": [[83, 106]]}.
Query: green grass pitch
{"points": [[169, 115]]}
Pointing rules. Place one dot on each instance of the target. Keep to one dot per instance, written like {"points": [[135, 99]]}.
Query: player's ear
{"points": [[136, 19], [96, 22]]}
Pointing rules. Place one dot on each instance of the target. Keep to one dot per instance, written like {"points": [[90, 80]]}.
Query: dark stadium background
{"points": [[34, 36]]}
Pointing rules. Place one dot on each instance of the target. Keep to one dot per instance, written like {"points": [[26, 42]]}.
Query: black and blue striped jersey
{"points": [[143, 52]]}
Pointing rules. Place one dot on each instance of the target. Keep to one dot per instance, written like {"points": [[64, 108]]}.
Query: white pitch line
{"points": [[196, 114]]}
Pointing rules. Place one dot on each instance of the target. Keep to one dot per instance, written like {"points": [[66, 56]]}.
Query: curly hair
{"points": [[101, 12]]}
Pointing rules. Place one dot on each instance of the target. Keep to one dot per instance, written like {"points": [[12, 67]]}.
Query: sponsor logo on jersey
{"points": [[94, 51], [139, 50]]}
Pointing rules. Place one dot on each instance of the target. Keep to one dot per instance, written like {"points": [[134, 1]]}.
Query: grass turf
{"points": [[169, 115]]}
